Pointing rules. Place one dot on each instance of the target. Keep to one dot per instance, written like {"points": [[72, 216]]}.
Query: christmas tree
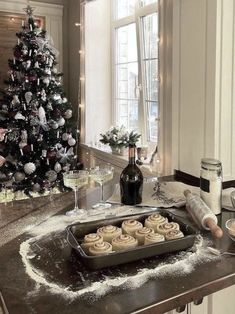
{"points": [[37, 133]]}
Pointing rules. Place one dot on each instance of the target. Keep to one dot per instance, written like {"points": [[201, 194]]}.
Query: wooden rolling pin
{"points": [[202, 214]]}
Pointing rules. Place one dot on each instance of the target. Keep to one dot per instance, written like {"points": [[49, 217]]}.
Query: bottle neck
{"points": [[131, 155]]}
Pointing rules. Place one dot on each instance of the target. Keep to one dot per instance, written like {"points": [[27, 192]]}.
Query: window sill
{"points": [[118, 161]]}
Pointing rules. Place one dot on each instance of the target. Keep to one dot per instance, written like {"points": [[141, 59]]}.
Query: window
{"points": [[135, 66]]}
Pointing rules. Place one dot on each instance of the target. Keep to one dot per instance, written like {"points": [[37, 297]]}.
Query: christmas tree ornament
{"points": [[46, 81], [19, 116], [2, 161], [2, 133], [19, 176], [65, 136], [53, 124], [13, 136], [36, 187], [68, 114], [71, 141], [58, 146], [65, 155], [3, 177], [47, 71], [29, 168], [28, 64], [24, 136], [28, 97], [64, 100], [43, 95], [44, 153], [15, 100], [61, 122], [24, 50], [57, 167], [36, 65], [49, 106], [54, 70], [56, 97], [51, 175]]}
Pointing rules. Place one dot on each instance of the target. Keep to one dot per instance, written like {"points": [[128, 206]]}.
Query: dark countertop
{"points": [[59, 264]]}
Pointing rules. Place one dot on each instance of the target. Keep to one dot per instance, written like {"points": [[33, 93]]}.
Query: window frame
{"points": [[139, 13]]}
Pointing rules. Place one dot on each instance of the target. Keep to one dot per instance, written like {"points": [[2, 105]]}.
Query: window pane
{"points": [[153, 120], [126, 44], [124, 8], [150, 74], [151, 80], [150, 34], [146, 2], [126, 76]]}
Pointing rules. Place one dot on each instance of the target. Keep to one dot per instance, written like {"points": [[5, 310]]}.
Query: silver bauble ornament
{"points": [[19, 176], [61, 121], [36, 187], [28, 97], [46, 81], [65, 136], [29, 168], [57, 167], [51, 175], [71, 141], [68, 114]]}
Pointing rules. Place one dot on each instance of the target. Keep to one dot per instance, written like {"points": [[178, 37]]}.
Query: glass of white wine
{"points": [[75, 179], [101, 175]]}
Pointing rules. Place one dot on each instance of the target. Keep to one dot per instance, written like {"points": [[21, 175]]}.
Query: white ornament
{"points": [[42, 114], [19, 176], [36, 65], [48, 71], [24, 136], [61, 121], [71, 141], [28, 97], [15, 100], [68, 114], [51, 175], [36, 187], [19, 116], [44, 153], [54, 70], [57, 167], [65, 136], [64, 100], [56, 97], [46, 81], [28, 64], [29, 168], [43, 95]]}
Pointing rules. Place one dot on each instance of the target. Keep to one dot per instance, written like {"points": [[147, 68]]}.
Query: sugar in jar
{"points": [[211, 183]]}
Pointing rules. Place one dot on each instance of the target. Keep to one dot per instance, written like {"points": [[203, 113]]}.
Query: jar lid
{"points": [[211, 161]]}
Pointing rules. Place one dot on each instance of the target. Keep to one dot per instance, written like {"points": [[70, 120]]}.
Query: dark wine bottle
{"points": [[131, 181]]}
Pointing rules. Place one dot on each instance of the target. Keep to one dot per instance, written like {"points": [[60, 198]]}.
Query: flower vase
{"points": [[115, 150]]}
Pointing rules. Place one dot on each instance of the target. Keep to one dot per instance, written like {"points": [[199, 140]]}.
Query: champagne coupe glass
{"points": [[101, 175], [75, 179]]}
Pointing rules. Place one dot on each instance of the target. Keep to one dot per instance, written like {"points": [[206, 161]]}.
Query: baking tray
{"points": [[77, 231]]}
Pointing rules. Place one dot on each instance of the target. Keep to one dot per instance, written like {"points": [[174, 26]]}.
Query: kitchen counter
{"points": [[58, 276]]}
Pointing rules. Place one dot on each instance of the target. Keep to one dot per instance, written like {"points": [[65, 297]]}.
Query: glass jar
{"points": [[211, 183]]}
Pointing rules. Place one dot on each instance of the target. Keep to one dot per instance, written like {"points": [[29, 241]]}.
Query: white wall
{"points": [[97, 69], [203, 85]]}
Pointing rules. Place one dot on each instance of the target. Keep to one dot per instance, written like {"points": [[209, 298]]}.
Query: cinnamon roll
{"points": [[174, 234], [168, 226], [141, 233], [153, 238], [130, 226], [89, 240], [154, 220], [109, 232], [100, 249], [124, 242]]}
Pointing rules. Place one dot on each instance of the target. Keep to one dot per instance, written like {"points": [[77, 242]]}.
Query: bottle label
{"points": [[204, 185]]}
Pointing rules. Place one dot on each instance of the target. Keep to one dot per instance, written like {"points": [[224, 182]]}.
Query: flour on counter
{"points": [[182, 264]]}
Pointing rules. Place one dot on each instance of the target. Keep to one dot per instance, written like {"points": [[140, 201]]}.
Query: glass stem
{"points": [[102, 193], [76, 199]]}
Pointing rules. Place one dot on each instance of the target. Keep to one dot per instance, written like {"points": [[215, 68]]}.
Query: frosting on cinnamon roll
{"points": [[174, 234], [130, 226], [168, 226], [109, 232], [153, 238], [100, 249], [124, 242], [141, 233], [89, 240], [154, 220]]}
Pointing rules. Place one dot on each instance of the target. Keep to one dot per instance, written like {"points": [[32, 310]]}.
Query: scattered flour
{"points": [[182, 264]]}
